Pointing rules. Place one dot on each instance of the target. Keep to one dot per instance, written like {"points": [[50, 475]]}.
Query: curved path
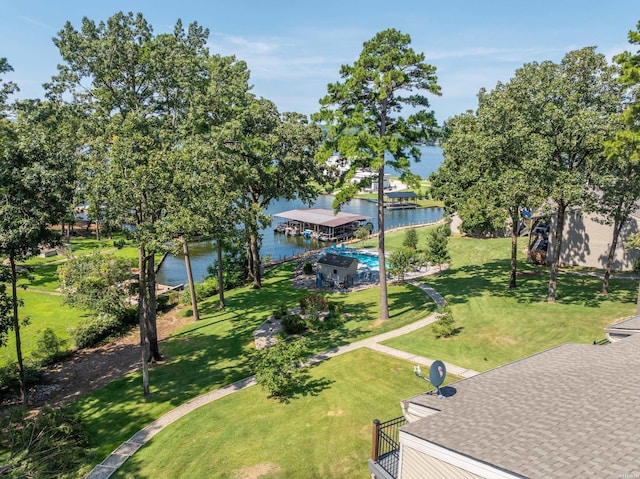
{"points": [[118, 457]]}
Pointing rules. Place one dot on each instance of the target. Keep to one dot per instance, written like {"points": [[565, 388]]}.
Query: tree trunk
{"points": [[152, 330], [97, 230], [384, 304], [553, 278], [142, 308], [255, 260], [617, 228], [16, 330], [192, 287], [249, 262], [514, 250], [220, 274]]}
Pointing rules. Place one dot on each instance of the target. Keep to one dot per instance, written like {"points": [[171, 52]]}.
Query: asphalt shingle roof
{"points": [[572, 411], [337, 260]]}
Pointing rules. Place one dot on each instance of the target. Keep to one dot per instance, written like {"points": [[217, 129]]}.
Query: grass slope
{"points": [[217, 351], [325, 431], [499, 325]]}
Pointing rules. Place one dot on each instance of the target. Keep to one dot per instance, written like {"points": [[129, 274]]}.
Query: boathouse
{"points": [[400, 200], [324, 225]]}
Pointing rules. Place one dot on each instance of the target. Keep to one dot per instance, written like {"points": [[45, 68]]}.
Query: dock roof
{"points": [[400, 194], [318, 216]]}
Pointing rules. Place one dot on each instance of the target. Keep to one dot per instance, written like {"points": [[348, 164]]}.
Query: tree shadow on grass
{"points": [[492, 278]]}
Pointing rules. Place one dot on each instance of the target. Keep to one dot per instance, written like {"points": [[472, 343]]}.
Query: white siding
{"points": [[416, 465]]}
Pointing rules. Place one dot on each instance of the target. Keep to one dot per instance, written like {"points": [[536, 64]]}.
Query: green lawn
{"points": [[499, 325], [44, 311], [324, 431], [217, 351]]}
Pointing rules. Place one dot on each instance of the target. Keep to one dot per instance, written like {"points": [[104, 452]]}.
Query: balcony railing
{"points": [[385, 450]]}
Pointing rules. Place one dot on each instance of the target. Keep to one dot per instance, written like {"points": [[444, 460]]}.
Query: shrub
{"points": [[119, 243], [9, 378], [279, 368], [280, 311], [48, 444], [128, 316], [204, 290], [96, 329], [307, 268], [445, 325], [294, 324], [314, 302], [410, 239], [332, 321], [162, 302], [50, 348]]}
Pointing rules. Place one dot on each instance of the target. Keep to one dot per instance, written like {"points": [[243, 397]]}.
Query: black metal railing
{"points": [[385, 449]]}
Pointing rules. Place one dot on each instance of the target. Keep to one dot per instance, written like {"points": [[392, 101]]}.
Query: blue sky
{"points": [[294, 48]]}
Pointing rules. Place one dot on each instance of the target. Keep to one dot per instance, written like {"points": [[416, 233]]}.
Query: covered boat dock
{"points": [[398, 200], [324, 225]]}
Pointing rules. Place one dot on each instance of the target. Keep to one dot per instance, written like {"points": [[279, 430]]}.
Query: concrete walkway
{"points": [[118, 457]]}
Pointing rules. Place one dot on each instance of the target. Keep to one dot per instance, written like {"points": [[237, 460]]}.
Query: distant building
{"points": [[336, 270], [586, 241]]}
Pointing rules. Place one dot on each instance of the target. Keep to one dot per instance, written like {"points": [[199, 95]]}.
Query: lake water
{"points": [[278, 246]]}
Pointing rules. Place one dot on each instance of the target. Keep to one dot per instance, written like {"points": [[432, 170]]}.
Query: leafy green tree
{"points": [[362, 114], [206, 203], [488, 173], [6, 88], [566, 109], [36, 189], [279, 368], [619, 177], [362, 233], [96, 281], [139, 91], [400, 261], [410, 238], [437, 246], [272, 155]]}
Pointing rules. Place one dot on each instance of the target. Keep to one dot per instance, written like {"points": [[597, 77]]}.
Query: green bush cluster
{"points": [[99, 328], [314, 302], [50, 348], [204, 290], [294, 324], [119, 243], [280, 311], [9, 377]]}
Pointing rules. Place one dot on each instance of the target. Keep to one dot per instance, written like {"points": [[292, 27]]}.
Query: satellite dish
{"points": [[437, 373]]}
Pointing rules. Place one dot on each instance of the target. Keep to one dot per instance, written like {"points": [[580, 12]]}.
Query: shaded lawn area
{"points": [[217, 351], [325, 431], [44, 311], [499, 325]]}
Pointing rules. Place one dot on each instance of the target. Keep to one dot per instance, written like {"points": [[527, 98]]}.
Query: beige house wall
{"points": [[416, 465], [585, 242]]}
